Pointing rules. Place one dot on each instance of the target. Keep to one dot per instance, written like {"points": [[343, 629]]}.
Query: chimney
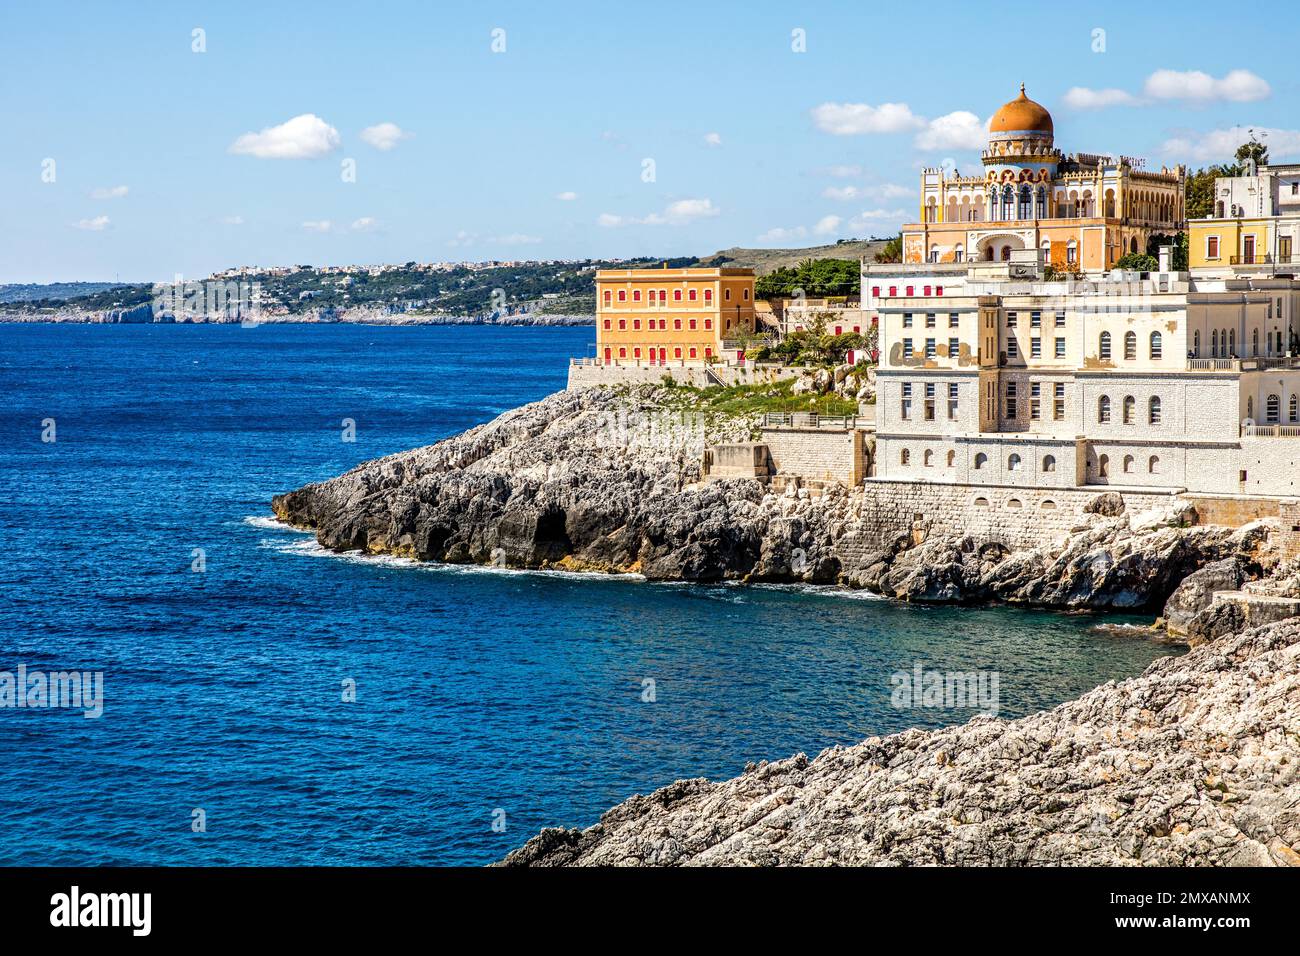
{"points": [[1166, 256]]}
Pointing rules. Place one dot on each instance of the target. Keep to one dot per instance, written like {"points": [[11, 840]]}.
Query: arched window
{"points": [[1128, 463], [1103, 346], [1294, 411], [1013, 463], [1157, 346], [1153, 410], [1130, 406], [1042, 203], [1103, 409], [904, 457], [1254, 342], [1103, 466], [1006, 253], [958, 252], [928, 458], [1048, 505], [1049, 463], [1196, 343], [1153, 464], [1272, 409], [1071, 252], [1133, 245], [981, 460], [1026, 210], [952, 458], [1014, 503], [1130, 346], [1214, 344], [981, 502], [1232, 343], [1250, 406], [1008, 201]]}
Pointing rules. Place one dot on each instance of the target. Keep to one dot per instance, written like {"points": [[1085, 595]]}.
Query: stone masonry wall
{"points": [[583, 376], [818, 453], [1016, 517]]}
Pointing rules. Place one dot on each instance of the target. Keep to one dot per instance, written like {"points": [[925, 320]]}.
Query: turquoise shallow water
{"points": [[482, 695]]}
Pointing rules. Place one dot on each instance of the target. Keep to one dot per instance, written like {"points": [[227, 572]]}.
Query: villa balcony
{"points": [[1266, 262], [1270, 431]]}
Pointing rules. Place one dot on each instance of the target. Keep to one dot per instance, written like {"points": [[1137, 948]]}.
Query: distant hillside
{"points": [[60, 291], [764, 261]]}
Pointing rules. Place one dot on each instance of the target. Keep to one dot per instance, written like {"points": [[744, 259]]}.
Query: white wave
{"points": [[269, 523]]}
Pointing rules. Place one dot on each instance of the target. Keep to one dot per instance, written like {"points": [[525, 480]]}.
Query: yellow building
{"points": [[1255, 225], [1083, 211], [666, 316]]}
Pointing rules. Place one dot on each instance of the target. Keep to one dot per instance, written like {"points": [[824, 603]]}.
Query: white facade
{"points": [[1154, 382]]}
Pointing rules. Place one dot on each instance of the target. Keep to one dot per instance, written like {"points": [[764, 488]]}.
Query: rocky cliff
{"points": [[609, 479], [1195, 762]]}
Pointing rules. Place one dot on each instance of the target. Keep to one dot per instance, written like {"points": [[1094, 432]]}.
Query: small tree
{"points": [[893, 251]]}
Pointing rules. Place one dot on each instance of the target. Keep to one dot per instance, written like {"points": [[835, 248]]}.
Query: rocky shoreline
{"points": [[610, 480], [1195, 761]]}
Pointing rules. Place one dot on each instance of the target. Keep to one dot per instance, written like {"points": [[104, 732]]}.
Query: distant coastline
{"points": [[351, 317]]}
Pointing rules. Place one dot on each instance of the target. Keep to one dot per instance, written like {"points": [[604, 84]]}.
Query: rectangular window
{"points": [[911, 290], [953, 320], [1011, 400], [622, 295], [1035, 347], [954, 348], [905, 408], [1212, 247], [636, 296], [1011, 320], [1060, 348], [636, 323], [929, 401], [952, 400], [938, 290], [677, 295], [1013, 347], [929, 320], [1035, 319], [907, 320], [692, 323], [607, 297], [1060, 318], [691, 295], [1035, 395], [607, 324], [708, 323], [875, 292], [930, 351], [622, 324], [907, 348]]}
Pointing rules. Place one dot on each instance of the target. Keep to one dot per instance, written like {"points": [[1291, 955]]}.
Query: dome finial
{"points": [[1022, 89]]}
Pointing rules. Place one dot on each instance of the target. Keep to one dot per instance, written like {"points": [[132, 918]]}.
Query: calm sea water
{"points": [[482, 695]]}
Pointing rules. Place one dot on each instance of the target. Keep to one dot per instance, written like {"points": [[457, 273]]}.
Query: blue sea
{"points": [[488, 703]]}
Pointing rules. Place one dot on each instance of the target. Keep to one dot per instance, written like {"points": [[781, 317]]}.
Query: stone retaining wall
{"points": [[1016, 517], [819, 453], [584, 376]]}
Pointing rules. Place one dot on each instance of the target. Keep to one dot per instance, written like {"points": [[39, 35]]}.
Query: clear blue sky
{"points": [[752, 143]]}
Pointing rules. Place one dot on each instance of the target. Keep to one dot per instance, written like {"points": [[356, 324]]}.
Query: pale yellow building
{"points": [[1254, 227], [1083, 211], [686, 316]]}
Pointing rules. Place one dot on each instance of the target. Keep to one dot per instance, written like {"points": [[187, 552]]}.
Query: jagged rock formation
{"points": [[609, 479], [1195, 762]]}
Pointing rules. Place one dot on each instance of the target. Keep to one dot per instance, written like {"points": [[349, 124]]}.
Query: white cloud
{"points": [[827, 225], [869, 218], [303, 137], [566, 196], [318, 225], [679, 213], [365, 224], [958, 130], [384, 136], [780, 234], [1219, 145], [233, 220], [463, 238], [1083, 98], [713, 139], [853, 193], [109, 192], [852, 119], [1238, 86], [98, 224]]}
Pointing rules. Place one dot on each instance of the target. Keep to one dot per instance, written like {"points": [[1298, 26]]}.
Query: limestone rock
{"points": [[1195, 762]]}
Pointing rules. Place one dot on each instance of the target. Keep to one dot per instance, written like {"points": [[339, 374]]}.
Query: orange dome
{"points": [[1021, 115]]}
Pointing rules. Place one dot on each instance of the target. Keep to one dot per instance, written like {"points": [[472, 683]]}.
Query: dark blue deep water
{"points": [[477, 691]]}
